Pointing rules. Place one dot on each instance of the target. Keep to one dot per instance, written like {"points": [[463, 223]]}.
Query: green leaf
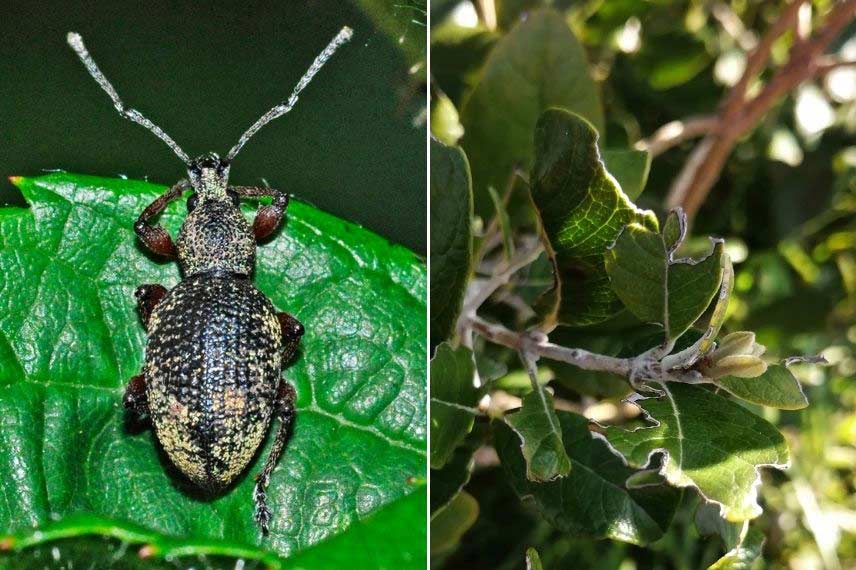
{"points": [[448, 481], [744, 554], [593, 499], [630, 169], [504, 223], [539, 64], [658, 288], [776, 388], [540, 435], [453, 401], [533, 561], [100, 542], [383, 541], [582, 210], [361, 545], [743, 543], [452, 522], [70, 338], [451, 237], [711, 443]]}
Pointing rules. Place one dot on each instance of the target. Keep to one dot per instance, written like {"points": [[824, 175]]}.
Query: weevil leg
{"points": [[269, 217], [292, 330], [284, 410], [135, 398], [148, 297], [155, 237]]}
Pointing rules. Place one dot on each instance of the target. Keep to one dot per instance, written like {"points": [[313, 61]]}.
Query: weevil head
{"points": [[209, 176], [215, 235]]}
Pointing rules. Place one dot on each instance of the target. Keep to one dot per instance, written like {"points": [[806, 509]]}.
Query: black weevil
{"points": [[216, 344]]}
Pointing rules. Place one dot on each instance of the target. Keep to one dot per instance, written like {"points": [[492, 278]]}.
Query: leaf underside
{"points": [[70, 338]]}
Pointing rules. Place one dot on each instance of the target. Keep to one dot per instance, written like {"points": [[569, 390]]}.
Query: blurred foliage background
{"points": [[354, 145], [785, 203]]}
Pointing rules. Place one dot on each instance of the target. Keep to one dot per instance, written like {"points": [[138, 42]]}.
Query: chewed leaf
{"points": [[710, 443], [582, 211], [70, 338], [540, 436], [592, 500], [658, 288]]}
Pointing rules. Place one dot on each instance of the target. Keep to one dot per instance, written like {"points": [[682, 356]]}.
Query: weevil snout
{"points": [[209, 175]]}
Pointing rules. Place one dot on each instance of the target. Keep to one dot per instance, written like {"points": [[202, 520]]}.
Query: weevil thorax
{"points": [[215, 235]]}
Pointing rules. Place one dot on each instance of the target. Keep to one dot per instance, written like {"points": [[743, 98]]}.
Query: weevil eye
{"points": [[191, 202], [195, 169], [236, 200], [222, 166]]}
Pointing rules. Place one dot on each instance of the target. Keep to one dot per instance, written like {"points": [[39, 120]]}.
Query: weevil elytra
{"points": [[211, 381]]}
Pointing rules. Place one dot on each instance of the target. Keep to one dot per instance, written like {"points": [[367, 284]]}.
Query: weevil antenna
{"points": [[287, 105], [76, 43]]}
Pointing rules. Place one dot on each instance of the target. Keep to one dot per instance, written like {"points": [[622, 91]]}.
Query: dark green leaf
{"points": [[457, 55], [711, 443], [776, 388], [70, 338], [540, 436], [582, 211], [504, 223], [448, 481], [451, 237], [657, 288], [592, 500], [453, 401], [537, 65]]}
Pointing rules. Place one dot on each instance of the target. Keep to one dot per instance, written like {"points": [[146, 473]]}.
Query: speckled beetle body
{"points": [[216, 345]]}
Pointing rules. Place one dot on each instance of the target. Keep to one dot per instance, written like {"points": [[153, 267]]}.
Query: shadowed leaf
{"points": [[539, 64], [582, 211], [592, 500], [451, 237]]}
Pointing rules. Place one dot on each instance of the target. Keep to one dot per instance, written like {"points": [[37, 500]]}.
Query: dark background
{"points": [[204, 73]]}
